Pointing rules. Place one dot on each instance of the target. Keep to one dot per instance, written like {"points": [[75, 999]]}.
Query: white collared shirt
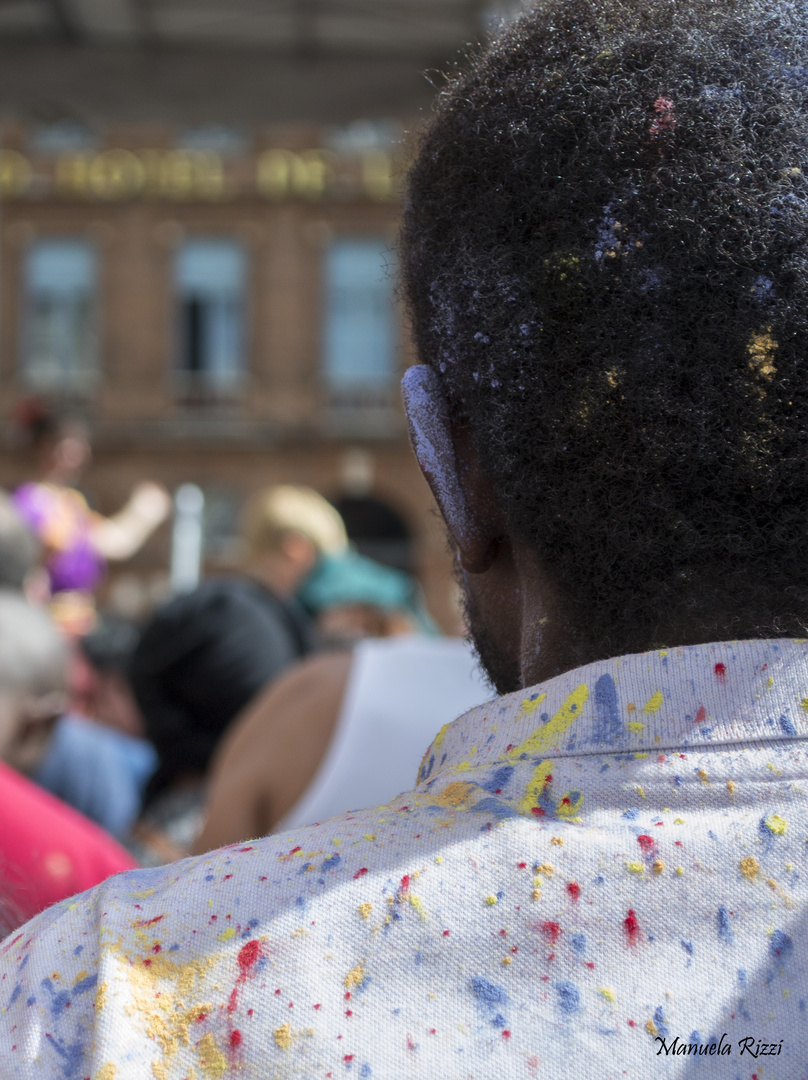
{"points": [[589, 876]]}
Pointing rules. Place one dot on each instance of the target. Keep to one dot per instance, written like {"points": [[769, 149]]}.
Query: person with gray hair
{"points": [[20, 550]]}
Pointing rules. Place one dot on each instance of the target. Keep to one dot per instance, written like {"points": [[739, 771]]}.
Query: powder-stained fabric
{"points": [[611, 859]]}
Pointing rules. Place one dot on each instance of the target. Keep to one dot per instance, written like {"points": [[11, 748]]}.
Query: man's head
{"points": [[20, 550], [286, 529], [33, 681], [605, 253]]}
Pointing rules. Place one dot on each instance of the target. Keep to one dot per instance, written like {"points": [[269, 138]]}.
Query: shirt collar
{"points": [[696, 695]]}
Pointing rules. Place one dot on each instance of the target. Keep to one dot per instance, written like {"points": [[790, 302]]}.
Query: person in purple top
{"points": [[77, 542]]}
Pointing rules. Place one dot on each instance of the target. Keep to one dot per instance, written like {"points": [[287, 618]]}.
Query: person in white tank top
{"points": [[339, 732]]}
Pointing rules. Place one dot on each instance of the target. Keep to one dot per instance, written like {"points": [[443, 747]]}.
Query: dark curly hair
{"points": [[605, 255]]}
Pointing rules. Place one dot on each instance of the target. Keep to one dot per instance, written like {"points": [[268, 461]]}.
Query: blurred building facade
{"points": [[209, 277]]}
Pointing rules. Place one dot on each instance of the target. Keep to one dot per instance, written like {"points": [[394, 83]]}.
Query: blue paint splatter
{"points": [[787, 724], [58, 1001], [15, 994], [495, 808], [79, 949], [661, 1022], [332, 862], [695, 1037], [83, 985], [488, 996], [780, 945], [499, 1021], [607, 726], [631, 814], [72, 1055], [569, 997], [725, 933], [366, 1070], [498, 779], [578, 943], [741, 976]]}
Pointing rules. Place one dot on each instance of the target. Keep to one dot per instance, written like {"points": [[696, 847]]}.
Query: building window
{"points": [[360, 320], [60, 334], [209, 279]]}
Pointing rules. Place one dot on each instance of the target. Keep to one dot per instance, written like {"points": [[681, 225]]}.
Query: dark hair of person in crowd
{"points": [[561, 234]]}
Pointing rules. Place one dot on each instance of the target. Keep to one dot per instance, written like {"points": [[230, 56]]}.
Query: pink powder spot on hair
{"points": [[573, 890], [632, 927], [663, 120], [720, 670]]}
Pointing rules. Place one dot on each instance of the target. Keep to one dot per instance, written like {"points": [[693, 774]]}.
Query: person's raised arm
{"points": [[120, 536]]}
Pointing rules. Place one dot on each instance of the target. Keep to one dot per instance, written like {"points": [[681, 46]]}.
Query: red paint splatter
{"points": [[147, 963], [720, 670], [349, 1012], [248, 956], [410, 1043], [552, 931], [646, 842], [201, 1017], [157, 947], [445, 933], [235, 1039], [632, 927], [537, 811], [677, 843], [590, 965], [149, 922], [405, 883], [348, 1057], [250, 1012], [362, 870], [573, 890], [521, 866], [226, 878], [701, 715], [233, 1002], [661, 759], [294, 849], [245, 849], [631, 1023], [506, 1034]]}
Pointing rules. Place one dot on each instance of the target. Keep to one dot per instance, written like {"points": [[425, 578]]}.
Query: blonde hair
{"points": [[289, 508]]}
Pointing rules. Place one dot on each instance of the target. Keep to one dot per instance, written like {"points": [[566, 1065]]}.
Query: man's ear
{"points": [[455, 490]]}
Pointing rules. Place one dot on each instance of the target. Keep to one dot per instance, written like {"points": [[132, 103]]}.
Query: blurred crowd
{"points": [[305, 684]]}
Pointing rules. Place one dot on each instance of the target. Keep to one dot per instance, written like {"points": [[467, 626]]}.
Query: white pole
{"points": [[186, 538]]}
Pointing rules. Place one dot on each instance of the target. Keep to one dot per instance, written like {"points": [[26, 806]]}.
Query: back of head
{"points": [[19, 547], [33, 655], [275, 511], [605, 252]]}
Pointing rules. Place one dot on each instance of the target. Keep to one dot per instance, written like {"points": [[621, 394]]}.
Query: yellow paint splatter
{"points": [[536, 894], [569, 805], [354, 976], [454, 795], [417, 903], [159, 1070], [703, 776], [370, 836], [770, 681], [731, 787], [804, 704], [679, 871], [507, 960], [143, 894], [212, 1061], [548, 734], [101, 996], [653, 704], [634, 867], [557, 841], [607, 992], [750, 867], [635, 725], [438, 859], [530, 705], [545, 868], [491, 900], [365, 910], [776, 824], [659, 866], [679, 821], [761, 349], [650, 1026], [539, 781], [283, 1037], [438, 743], [640, 791], [227, 934], [106, 1072]]}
